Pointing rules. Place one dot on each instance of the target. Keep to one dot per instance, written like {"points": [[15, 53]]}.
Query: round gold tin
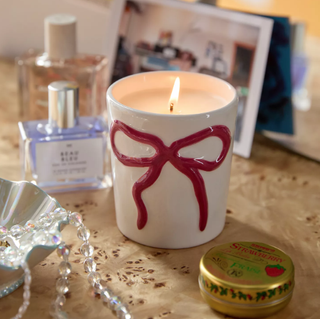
{"points": [[246, 279]]}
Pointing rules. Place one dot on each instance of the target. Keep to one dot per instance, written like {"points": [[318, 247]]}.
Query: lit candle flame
{"points": [[174, 95]]}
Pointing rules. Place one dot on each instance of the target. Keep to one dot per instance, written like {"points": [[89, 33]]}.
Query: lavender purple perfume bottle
{"points": [[65, 152]]}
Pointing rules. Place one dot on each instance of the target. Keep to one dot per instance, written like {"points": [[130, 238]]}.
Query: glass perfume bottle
{"points": [[65, 152], [301, 99], [60, 61]]}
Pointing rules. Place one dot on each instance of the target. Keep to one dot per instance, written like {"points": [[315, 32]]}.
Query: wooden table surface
{"points": [[274, 198]]}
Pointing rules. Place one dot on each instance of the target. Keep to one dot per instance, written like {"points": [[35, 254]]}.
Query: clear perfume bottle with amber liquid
{"points": [[66, 152], [60, 61]]}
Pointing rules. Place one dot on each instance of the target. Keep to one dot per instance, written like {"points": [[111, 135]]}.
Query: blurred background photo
{"points": [[167, 35]]}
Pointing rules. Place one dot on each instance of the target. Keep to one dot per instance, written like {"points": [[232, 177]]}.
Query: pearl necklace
{"points": [[42, 235]]}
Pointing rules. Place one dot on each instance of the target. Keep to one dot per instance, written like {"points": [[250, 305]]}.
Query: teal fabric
{"points": [[275, 110]]}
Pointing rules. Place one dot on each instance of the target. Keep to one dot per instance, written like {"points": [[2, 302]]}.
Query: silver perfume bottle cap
{"points": [[63, 104], [298, 32]]}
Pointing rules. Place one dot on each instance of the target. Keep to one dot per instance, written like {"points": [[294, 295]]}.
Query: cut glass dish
{"points": [[30, 224]]}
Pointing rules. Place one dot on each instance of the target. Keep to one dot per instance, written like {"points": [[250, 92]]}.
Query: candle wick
{"points": [[171, 107]]}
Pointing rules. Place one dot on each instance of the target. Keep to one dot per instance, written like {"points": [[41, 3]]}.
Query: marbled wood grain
{"points": [[274, 198]]}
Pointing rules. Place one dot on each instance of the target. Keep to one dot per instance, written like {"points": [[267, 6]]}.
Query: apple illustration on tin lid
{"points": [[274, 270]]}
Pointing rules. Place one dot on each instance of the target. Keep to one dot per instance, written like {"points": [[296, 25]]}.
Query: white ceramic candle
{"points": [[171, 170]]}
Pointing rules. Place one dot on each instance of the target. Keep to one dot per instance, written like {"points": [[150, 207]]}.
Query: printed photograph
{"points": [[161, 35]]}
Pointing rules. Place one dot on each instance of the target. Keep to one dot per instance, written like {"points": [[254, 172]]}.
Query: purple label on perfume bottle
{"points": [[72, 159]]}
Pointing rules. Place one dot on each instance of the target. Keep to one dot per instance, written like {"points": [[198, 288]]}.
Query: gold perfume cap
{"points": [[63, 104], [60, 36]]}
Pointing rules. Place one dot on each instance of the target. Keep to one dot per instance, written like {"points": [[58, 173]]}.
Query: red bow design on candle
{"points": [[187, 166]]}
